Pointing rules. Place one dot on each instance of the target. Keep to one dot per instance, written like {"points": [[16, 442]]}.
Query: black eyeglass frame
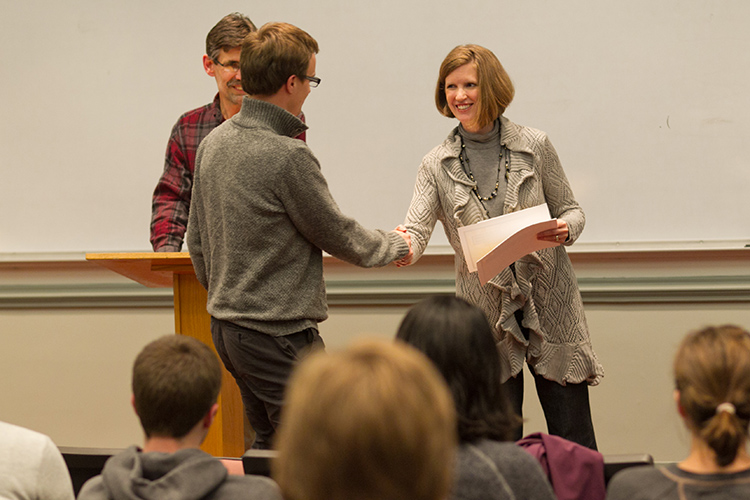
{"points": [[314, 80], [230, 65]]}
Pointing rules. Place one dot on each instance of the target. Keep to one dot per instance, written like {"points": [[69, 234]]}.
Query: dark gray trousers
{"points": [[261, 365], [566, 407]]}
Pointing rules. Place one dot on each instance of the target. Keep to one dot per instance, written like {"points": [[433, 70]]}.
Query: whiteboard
{"points": [[645, 101]]}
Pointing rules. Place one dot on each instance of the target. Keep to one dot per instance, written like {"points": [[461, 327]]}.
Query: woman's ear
{"points": [[676, 395]]}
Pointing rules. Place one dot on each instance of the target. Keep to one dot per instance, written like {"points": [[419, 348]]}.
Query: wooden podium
{"points": [[163, 270]]}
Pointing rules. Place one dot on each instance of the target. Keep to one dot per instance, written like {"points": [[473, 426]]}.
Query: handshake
{"points": [[406, 259]]}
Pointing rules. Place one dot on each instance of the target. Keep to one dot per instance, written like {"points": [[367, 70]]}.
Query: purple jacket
{"points": [[575, 472]]}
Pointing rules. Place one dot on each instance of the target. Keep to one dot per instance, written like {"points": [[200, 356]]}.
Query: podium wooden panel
{"points": [[163, 270]]}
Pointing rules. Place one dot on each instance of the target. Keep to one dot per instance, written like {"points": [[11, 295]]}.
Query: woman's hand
{"points": [[406, 259], [558, 235]]}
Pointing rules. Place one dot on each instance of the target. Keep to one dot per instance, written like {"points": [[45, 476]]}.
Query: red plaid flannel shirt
{"points": [[171, 200]]}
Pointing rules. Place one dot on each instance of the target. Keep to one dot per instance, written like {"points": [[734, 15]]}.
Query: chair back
{"points": [[85, 463], [258, 462], [615, 463]]}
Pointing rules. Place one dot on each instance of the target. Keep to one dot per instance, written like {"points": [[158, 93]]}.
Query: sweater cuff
{"points": [[401, 246]]}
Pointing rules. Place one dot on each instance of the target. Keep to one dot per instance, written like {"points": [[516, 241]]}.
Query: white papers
{"points": [[492, 245]]}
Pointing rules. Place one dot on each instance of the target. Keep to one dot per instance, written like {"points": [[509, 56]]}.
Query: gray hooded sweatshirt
{"points": [[189, 474]]}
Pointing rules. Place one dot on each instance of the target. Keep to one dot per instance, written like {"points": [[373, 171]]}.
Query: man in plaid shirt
{"points": [[171, 200]]}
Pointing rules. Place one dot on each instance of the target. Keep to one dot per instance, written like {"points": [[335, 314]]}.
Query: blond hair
{"points": [[373, 422]]}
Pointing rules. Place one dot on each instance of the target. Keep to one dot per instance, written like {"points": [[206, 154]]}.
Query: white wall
{"points": [[66, 372], [632, 408], [644, 100], [67, 352]]}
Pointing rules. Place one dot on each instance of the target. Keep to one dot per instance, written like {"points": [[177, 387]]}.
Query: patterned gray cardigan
{"points": [[545, 286]]}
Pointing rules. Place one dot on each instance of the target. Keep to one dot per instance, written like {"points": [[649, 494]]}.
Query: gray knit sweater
{"points": [[260, 214], [673, 483], [493, 470], [544, 285]]}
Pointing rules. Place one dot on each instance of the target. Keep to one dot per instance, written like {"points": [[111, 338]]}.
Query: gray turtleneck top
{"points": [[483, 152]]}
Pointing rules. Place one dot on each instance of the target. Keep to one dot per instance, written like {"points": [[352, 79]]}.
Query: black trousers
{"points": [[261, 365], [566, 407]]}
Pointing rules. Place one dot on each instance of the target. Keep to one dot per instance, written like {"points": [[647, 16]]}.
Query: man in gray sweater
{"points": [[261, 214]]}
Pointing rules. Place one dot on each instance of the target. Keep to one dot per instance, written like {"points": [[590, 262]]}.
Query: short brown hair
{"points": [[272, 54], [375, 421], [495, 87], [712, 366], [176, 380], [228, 34]]}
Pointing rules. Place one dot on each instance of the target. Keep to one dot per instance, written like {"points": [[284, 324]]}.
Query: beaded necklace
{"points": [[465, 164]]}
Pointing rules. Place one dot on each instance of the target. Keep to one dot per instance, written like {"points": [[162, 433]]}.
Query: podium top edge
{"points": [[139, 256]]}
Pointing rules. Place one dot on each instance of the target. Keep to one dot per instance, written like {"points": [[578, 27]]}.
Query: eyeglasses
{"points": [[230, 67], [314, 81]]}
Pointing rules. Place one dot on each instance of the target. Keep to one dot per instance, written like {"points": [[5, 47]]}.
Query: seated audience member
{"points": [[176, 383], [374, 422], [31, 466], [458, 339], [712, 379]]}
